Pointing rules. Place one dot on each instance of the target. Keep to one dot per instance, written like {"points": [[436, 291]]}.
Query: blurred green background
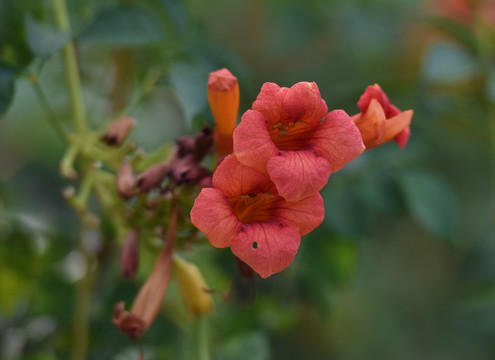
{"points": [[403, 266]]}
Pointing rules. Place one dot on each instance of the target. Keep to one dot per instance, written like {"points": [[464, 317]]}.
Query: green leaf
{"points": [[344, 211], [44, 41], [7, 77], [253, 346], [14, 49], [189, 81], [447, 62], [431, 202], [124, 26], [456, 30]]}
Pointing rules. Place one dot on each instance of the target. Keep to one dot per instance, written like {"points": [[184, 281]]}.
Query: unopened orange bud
{"points": [[223, 97], [193, 287]]}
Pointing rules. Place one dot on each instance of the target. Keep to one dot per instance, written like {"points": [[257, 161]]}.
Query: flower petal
{"points": [[337, 139], [266, 247], [373, 92], [402, 137], [234, 178], [298, 174], [397, 124], [270, 102], [305, 215], [214, 217], [252, 143], [371, 124], [303, 103]]}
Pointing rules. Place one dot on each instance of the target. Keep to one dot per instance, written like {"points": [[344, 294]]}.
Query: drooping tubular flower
{"points": [[289, 136], [223, 97], [380, 121], [244, 211]]}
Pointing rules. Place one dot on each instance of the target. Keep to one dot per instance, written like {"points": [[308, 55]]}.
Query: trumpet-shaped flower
{"points": [[244, 211], [223, 97], [289, 136], [380, 121]]}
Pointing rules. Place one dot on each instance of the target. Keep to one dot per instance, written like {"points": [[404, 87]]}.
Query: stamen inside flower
{"points": [[255, 207], [290, 135]]}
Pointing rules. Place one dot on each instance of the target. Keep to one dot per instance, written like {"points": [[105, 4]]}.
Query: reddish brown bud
{"points": [[204, 141], [186, 145], [129, 256], [245, 270], [187, 171], [153, 176], [199, 145], [126, 182], [118, 131]]}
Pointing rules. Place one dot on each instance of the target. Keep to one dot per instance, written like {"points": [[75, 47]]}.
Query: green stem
{"points": [[82, 306], [71, 67], [196, 345], [83, 287], [52, 117], [486, 54], [202, 338], [67, 163]]}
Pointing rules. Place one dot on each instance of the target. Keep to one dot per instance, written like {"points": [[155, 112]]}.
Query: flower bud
{"points": [[203, 142], [223, 97], [186, 145], [199, 145], [193, 287], [129, 256], [153, 176], [380, 121], [186, 171], [118, 131], [126, 182]]}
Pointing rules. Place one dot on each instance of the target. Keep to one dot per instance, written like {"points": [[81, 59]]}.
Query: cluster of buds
{"points": [[183, 166], [158, 187]]}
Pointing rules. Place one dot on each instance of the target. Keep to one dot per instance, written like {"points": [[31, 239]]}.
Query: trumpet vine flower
{"points": [[289, 136], [380, 121], [243, 211]]}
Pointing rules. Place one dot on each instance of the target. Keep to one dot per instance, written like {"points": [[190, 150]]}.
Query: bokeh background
{"points": [[403, 266]]}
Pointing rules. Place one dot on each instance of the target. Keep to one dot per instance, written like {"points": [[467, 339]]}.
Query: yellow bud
{"points": [[193, 287]]}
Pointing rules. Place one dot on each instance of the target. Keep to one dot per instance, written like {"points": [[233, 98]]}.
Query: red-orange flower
{"points": [[380, 121], [289, 136], [223, 97], [465, 11], [244, 211]]}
